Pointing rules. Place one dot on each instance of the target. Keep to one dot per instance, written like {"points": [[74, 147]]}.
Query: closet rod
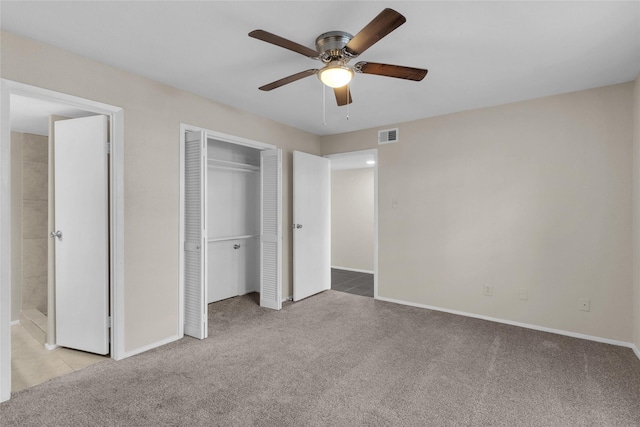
{"points": [[228, 164], [222, 239], [232, 169]]}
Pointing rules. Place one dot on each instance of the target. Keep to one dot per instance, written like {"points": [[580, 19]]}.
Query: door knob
{"points": [[236, 246], [57, 234]]}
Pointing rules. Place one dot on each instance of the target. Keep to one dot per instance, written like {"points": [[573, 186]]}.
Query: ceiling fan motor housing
{"points": [[331, 44]]}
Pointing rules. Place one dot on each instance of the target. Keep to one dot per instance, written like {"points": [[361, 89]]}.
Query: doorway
{"points": [[353, 222], [38, 306], [312, 228], [14, 97]]}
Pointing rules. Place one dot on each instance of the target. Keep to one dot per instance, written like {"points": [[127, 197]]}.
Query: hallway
{"points": [[352, 282]]}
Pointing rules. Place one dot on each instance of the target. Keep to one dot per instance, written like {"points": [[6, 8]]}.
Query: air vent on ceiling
{"points": [[388, 136]]}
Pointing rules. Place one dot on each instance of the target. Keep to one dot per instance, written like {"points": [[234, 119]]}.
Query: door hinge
{"points": [[109, 322], [108, 148]]}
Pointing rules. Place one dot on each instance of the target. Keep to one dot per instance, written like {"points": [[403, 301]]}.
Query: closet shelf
{"points": [[222, 239], [236, 166]]}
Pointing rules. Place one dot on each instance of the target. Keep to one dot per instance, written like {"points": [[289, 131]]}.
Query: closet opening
{"points": [[233, 220], [230, 223]]}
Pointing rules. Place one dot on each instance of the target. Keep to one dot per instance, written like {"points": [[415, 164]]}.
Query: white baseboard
{"points": [[15, 322], [357, 270], [150, 346], [636, 350], [519, 324], [50, 346]]}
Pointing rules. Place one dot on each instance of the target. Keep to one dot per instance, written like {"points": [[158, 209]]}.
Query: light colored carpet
{"points": [[338, 359]]}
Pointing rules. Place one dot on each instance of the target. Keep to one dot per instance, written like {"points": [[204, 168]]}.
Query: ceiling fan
{"points": [[336, 48]]}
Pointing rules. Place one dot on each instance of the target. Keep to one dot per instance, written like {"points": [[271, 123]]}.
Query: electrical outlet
{"points": [[524, 294], [487, 290], [585, 304]]}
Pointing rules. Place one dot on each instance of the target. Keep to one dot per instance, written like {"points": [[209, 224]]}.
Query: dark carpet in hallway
{"points": [[352, 282]]}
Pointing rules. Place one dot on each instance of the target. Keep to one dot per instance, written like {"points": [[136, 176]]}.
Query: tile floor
{"points": [[32, 364], [352, 282]]}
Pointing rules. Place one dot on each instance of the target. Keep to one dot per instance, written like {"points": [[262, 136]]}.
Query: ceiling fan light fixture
{"points": [[335, 74]]}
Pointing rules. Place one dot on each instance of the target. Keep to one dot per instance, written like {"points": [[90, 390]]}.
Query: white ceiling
{"points": [[478, 53]]}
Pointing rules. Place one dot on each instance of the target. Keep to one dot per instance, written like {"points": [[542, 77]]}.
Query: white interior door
{"points": [[82, 241], [271, 229], [195, 235], [312, 225]]}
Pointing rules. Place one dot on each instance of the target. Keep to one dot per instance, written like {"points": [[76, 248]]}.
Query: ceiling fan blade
{"points": [[282, 42], [397, 71], [386, 21], [343, 95], [290, 79]]}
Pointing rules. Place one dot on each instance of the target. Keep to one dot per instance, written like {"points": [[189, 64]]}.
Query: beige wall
{"points": [[352, 218], [16, 225], [152, 115], [533, 195], [636, 213]]}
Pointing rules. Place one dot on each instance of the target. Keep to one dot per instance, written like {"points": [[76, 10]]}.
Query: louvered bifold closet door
{"points": [[195, 245], [271, 229]]}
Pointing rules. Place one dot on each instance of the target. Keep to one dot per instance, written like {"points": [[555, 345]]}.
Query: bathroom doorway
{"points": [[35, 357], [25, 225]]}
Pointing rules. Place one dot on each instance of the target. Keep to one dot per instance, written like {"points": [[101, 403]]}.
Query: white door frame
{"points": [[219, 136], [373, 152], [116, 200]]}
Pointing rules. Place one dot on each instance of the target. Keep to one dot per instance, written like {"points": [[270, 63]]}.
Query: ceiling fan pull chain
{"points": [[324, 106], [348, 100]]}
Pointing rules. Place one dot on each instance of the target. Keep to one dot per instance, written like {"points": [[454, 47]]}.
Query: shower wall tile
{"points": [[35, 148], [34, 219], [32, 294], [34, 258], [35, 180]]}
